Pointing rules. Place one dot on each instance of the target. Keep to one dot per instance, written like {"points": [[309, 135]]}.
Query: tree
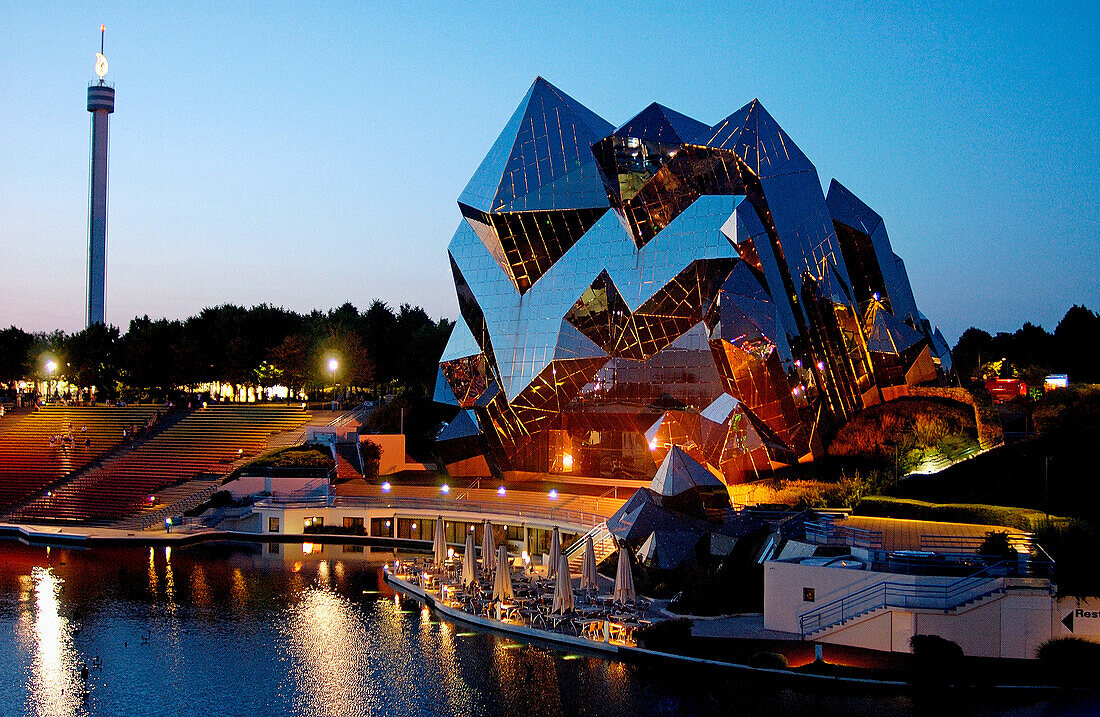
{"points": [[1077, 345], [90, 358], [291, 361], [974, 348], [15, 354]]}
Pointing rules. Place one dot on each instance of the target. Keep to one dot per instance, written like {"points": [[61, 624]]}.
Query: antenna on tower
{"points": [[102, 32]]}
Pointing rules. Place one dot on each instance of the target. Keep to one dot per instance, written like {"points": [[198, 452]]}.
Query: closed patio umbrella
{"points": [[488, 548], [469, 562], [563, 588], [439, 546], [502, 581], [624, 578], [555, 553], [588, 567]]}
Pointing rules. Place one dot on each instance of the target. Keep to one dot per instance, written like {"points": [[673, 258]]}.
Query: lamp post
{"points": [[332, 366], [51, 366]]}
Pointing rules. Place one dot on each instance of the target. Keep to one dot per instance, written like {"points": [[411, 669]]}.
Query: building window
{"points": [[538, 541], [272, 525], [351, 548], [808, 595], [415, 528], [273, 548], [316, 522], [355, 525], [382, 527]]}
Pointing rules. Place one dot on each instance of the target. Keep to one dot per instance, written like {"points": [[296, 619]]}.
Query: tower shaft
{"points": [[101, 103]]}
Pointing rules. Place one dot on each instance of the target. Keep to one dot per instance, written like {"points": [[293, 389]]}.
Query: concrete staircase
{"points": [[603, 544]]}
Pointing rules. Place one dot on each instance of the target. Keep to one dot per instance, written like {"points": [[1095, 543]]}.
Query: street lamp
{"points": [[51, 366], [332, 366]]}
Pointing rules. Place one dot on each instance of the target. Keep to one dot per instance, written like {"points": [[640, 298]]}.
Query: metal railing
{"points": [[902, 595], [1022, 542], [598, 534], [825, 532], [551, 515]]}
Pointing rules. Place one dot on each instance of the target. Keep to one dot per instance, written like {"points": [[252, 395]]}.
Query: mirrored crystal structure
{"points": [[667, 283]]}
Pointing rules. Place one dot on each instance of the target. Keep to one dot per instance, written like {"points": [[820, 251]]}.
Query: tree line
{"points": [[379, 350], [1031, 352]]}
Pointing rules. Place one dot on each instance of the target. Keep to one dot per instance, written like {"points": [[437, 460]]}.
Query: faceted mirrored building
{"points": [[667, 283]]}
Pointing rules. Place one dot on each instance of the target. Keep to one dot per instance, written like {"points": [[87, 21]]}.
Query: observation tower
{"points": [[101, 103]]}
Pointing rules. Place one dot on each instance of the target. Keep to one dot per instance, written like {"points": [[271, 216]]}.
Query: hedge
{"points": [[887, 507]]}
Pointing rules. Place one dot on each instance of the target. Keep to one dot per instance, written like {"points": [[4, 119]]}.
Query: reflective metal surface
{"points": [[616, 283]]}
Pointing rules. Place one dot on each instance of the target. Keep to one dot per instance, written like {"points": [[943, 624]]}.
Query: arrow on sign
{"points": [[1068, 621]]}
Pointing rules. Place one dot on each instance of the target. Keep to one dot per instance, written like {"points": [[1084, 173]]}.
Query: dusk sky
{"points": [[308, 154]]}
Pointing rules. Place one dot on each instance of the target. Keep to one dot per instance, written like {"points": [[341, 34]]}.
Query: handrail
{"points": [[564, 515], [597, 533], [972, 542], [826, 532], [907, 595], [464, 495]]}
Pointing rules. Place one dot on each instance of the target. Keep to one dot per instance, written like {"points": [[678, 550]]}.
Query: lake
{"points": [[293, 629]]}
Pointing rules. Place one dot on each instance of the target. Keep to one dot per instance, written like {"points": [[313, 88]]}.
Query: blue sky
{"points": [[308, 154]]}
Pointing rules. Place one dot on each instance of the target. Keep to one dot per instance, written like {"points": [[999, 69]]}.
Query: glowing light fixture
{"points": [[386, 487], [445, 489], [567, 461], [553, 494], [501, 492]]}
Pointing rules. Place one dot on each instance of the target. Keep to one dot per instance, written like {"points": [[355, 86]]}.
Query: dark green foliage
{"points": [[936, 661], [379, 351], [304, 456], [1031, 352], [1074, 545], [996, 545], [901, 434], [1050, 472], [414, 414], [371, 454], [769, 660], [1069, 661], [335, 530], [665, 635], [15, 354], [887, 507], [220, 499]]}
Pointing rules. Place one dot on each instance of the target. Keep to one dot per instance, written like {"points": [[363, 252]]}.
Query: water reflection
{"points": [[54, 688], [326, 638], [240, 630]]}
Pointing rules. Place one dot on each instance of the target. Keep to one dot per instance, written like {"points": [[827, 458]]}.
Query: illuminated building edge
{"points": [[667, 283]]}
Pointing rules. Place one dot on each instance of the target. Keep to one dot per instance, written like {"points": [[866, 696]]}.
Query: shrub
{"points": [[1068, 661], [981, 514], [335, 530], [1073, 544], [769, 660], [936, 660], [372, 455], [996, 545]]}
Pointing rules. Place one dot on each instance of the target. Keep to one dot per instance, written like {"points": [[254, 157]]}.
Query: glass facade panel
{"points": [[666, 283]]}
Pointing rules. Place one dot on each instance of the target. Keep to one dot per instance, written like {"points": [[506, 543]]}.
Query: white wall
{"points": [[1012, 625]]}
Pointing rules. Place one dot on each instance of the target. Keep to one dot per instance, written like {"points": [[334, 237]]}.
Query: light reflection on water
{"points": [[243, 630], [53, 688]]}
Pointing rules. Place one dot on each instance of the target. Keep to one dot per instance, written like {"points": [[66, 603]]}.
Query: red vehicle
{"points": [[1005, 389]]}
